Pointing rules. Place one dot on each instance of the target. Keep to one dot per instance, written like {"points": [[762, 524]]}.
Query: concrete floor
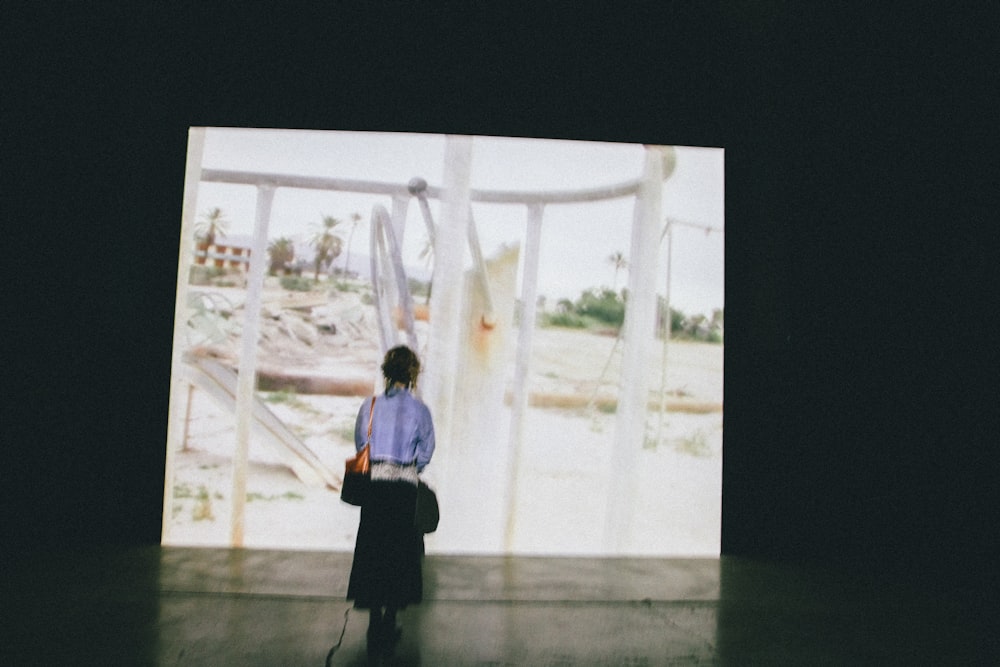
{"points": [[173, 606]]}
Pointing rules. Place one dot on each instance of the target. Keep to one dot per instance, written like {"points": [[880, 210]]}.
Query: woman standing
{"points": [[386, 571]]}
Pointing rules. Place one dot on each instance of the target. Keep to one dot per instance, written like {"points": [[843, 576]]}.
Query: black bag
{"points": [[357, 470], [427, 514]]}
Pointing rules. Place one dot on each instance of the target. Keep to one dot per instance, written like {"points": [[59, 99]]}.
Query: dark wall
{"points": [[859, 424]]}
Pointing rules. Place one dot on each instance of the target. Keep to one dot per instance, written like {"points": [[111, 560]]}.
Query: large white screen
{"points": [[567, 473]]}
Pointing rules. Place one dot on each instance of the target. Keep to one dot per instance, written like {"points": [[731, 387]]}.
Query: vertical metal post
{"points": [[525, 334], [192, 178], [248, 360], [187, 417], [446, 306], [667, 324], [633, 401]]}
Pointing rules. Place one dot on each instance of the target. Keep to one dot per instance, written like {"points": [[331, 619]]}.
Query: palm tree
{"points": [[281, 252], [697, 326], [212, 224], [326, 243], [618, 260]]}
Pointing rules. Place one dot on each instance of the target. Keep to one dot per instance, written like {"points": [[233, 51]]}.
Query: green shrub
{"points": [[281, 396], [297, 283], [676, 321], [204, 274], [603, 305], [418, 288], [287, 495], [695, 445], [567, 320], [346, 286]]}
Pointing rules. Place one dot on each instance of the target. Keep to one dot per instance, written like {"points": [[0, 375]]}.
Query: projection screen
{"points": [[565, 298]]}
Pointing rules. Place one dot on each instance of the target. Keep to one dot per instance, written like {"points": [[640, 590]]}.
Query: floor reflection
{"points": [[166, 606]]}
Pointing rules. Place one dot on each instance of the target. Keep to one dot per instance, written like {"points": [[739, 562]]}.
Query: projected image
{"points": [[565, 299]]}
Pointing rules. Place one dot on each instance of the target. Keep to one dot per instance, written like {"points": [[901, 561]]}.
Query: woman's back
{"points": [[402, 429]]}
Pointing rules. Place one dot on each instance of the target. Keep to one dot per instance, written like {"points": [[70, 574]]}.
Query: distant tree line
{"points": [[604, 308]]}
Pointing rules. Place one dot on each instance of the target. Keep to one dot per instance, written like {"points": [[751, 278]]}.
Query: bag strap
{"points": [[371, 414]]}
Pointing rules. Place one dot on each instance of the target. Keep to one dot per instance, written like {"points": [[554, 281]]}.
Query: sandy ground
{"points": [[561, 493]]}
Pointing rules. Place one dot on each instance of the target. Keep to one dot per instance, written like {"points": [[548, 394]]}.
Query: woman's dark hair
{"points": [[401, 365]]}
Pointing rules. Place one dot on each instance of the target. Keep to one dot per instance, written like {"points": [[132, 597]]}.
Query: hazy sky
{"points": [[577, 239]]}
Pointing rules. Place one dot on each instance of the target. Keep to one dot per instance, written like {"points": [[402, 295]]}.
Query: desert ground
{"points": [[677, 477]]}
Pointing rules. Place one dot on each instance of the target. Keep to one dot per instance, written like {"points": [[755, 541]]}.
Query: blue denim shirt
{"points": [[402, 430]]}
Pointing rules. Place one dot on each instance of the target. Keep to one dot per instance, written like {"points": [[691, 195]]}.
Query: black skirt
{"points": [[387, 556]]}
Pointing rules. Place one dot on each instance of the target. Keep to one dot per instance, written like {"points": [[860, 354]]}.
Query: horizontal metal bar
{"points": [[302, 182], [616, 191], [626, 189]]}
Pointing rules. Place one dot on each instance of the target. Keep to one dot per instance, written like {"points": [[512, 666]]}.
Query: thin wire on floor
{"points": [[329, 656]]}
